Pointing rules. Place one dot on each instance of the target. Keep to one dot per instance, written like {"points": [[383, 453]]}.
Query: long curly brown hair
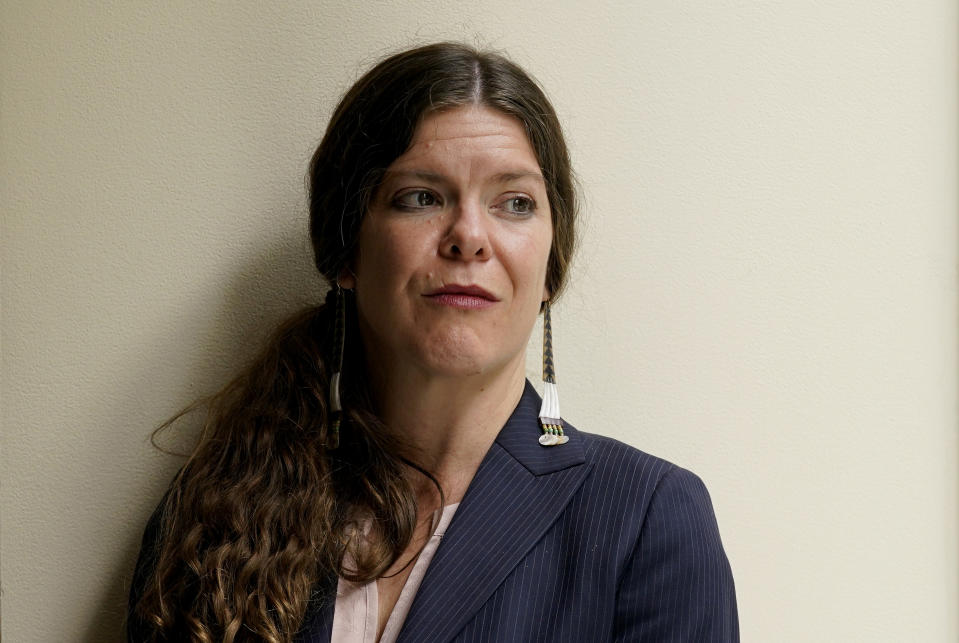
{"points": [[253, 530]]}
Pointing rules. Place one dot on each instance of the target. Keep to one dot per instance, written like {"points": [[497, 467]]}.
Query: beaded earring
{"points": [[339, 342], [549, 415]]}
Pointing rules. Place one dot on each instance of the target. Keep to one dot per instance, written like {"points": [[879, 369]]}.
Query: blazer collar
{"points": [[519, 437], [519, 490]]}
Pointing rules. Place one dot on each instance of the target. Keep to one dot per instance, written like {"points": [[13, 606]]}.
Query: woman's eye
{"points": [[520, 205], [416, 199]]}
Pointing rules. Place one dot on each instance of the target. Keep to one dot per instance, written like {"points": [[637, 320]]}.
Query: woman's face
{"points": [[451, 263]]}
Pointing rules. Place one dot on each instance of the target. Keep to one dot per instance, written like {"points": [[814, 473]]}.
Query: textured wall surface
{"points": [[766, 291]]}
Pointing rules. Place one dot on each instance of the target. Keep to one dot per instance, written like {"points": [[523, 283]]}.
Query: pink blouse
{"points": [[356, 611]]}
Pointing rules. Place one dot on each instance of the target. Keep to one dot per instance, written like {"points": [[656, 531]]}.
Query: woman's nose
{"points": [[468, 235]]}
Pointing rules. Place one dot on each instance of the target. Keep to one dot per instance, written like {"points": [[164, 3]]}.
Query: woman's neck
{"points": [[449, 423]]}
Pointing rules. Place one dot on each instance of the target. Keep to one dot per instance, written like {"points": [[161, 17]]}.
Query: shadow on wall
{"points": [[277, 280]]}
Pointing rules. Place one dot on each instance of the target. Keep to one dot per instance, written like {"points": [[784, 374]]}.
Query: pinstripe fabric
{"points": [[590, 541]]}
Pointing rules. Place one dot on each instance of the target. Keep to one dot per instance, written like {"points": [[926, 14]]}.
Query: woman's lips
{"points": [[466, 297]]}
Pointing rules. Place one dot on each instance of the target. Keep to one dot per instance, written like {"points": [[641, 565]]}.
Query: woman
{"points": [[396, 416]]}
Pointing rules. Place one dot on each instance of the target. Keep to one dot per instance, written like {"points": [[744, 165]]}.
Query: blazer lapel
{"points": [[519, 490]]}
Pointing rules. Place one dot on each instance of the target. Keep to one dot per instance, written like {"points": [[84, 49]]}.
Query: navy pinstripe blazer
{"points": [[590, 541]]}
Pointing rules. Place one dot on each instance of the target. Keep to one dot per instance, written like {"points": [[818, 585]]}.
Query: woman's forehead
{"points": [[470, 132], [466, 120]]}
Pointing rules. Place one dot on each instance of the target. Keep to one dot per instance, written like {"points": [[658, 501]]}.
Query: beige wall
{"points": [[766, 292]]}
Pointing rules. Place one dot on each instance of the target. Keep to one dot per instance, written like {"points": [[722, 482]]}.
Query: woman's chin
{"points": [[459, 359], [455, 365]]}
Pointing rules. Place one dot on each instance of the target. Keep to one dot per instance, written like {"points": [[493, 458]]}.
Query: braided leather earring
{"points": [[549, 415], [339, 342]]}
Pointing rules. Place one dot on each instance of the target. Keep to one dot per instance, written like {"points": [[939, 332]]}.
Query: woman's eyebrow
{"points": [[502, 177], [416, 174], [506, 177]]}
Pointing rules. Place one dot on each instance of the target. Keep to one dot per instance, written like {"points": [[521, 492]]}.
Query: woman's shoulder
{"points": [[613, 459], [665, 515], [602, 448], [636, 481]]}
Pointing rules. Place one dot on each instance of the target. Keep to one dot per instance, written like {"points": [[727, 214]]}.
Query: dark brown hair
{"points": [[255, 525]]}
